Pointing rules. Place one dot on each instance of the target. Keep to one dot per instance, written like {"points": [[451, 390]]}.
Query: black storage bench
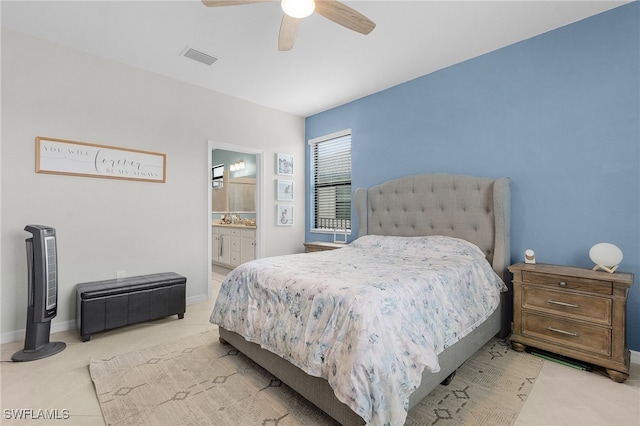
{"points": [[108, 304]]}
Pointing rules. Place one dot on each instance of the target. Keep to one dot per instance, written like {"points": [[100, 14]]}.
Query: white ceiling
{"points": [[328, 66]]}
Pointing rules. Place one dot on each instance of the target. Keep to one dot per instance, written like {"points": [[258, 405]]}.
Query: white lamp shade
{"points": [[298, 8], [605, 254]]}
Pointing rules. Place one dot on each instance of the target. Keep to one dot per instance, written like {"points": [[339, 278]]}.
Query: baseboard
{"points": [[56, 327], [196, 299], [635, 357]]}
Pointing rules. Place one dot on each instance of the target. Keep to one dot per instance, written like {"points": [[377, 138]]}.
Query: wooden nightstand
{"points": [[575, 312], [322, 246]]}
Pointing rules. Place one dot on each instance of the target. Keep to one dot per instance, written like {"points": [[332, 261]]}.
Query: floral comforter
{"points": [[369, 317]]}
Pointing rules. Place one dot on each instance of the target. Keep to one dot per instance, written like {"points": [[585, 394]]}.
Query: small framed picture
{"points": [[285, 190], [284, 164], [284, 215]]}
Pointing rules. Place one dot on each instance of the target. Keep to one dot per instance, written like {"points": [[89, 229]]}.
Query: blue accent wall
{"points": [[558, 113]]}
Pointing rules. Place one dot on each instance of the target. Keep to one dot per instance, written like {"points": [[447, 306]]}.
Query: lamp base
{"points": [[604, 268]]}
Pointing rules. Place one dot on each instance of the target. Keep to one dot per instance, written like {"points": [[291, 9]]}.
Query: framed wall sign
{"points": [[285, 190], [284, 164], [59, 156], [284, 215]]}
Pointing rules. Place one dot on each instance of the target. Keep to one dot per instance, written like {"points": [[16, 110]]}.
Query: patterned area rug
{"points": [[490, 388], [199, 381]]}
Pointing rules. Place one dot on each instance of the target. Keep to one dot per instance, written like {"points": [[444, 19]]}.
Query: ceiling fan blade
{"points": [[344, 15], [288, 32], [216, 3]]}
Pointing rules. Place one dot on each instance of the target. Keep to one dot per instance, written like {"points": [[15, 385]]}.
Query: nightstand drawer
{"points": [[572, 334], [569, 283], [571, 305]]}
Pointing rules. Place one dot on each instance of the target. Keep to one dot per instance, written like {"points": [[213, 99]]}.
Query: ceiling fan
{"points": [[295, 10]]}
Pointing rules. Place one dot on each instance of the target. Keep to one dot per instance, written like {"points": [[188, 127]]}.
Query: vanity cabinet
{"points": [[232, 245], [575, 312], [235, 247], [220, 245], [247, 245]]}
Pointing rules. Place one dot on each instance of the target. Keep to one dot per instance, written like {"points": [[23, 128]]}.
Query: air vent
{"points": [[201, 57]]}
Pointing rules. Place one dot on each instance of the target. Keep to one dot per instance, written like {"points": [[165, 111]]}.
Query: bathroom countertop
{"points": [[233, 225]]}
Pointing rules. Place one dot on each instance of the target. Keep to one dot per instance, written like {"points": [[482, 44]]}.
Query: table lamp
{"points": [[606, 256]]}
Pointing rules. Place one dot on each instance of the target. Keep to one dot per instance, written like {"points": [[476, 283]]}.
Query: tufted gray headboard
{"points": [[476, 209]]}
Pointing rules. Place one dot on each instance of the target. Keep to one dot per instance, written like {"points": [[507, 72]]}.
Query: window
{"points": [[331, 169]]}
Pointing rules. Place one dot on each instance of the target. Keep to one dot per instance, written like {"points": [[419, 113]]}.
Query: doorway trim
{"points": [[212, 146]]}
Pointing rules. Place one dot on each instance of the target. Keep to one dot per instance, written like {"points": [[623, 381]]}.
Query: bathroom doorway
{"points": [[235, 194]]}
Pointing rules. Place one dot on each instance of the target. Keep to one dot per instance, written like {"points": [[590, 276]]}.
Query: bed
{"points": [[458, 220]]}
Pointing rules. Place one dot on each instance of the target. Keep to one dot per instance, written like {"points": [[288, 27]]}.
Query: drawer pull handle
{"points": [[568, 333], [562, 284], [568, 305]]}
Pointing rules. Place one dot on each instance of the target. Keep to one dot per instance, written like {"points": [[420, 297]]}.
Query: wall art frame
{"points": [[284, 215], [65, 157], [284, 164], [284, 190]]}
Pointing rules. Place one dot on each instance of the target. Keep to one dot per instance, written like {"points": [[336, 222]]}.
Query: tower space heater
{"points": [[42, 268]]}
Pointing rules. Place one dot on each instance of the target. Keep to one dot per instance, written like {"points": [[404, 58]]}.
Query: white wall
{"points": [[106, 225]]}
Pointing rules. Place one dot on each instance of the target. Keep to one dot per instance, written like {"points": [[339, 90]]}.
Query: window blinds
{"points": [[332, 183]]}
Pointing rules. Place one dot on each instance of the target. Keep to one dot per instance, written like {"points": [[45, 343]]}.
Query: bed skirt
{"points": [[317, 390]]}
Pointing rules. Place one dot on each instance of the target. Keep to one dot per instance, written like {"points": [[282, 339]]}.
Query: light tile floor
{"points": [[561, 395]]}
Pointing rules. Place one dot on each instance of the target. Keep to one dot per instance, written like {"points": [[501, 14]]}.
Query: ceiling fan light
{"points": [[298, 8]]}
